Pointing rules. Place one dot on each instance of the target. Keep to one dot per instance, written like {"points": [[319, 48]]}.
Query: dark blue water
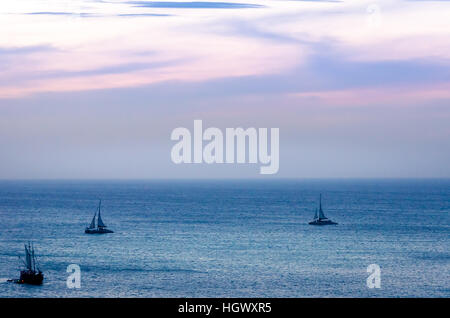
{"points": [[229, 238]]}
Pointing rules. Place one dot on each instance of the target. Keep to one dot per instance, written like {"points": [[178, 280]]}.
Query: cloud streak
{"points": [[193, 5]]}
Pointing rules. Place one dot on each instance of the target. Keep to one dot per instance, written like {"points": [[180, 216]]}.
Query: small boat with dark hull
{"points": [[31, 274], [321, 219], [101, 227]]}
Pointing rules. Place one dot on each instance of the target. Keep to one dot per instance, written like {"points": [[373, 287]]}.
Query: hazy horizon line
{"points": [[229, 179]]}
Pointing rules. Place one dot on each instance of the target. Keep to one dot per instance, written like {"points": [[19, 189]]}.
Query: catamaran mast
{"points": [[100, 223], [320, 202], [321, 215], [99, 218]]}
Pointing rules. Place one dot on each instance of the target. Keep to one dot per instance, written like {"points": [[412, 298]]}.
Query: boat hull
{"points": [[97, 231], [31, 278], [320, 222]]}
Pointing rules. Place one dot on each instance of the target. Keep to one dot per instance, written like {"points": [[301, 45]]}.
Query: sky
{"points": [[93, 89]]}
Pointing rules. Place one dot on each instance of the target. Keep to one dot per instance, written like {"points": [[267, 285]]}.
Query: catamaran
{"points": [[321, 219], [101, 227], [31, 274]]}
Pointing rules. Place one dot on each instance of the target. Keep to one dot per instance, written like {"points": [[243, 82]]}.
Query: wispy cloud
{"points": [[143, 15], [50, 13], [26, 49], [93, 15], [194, 5], [22, 79]]}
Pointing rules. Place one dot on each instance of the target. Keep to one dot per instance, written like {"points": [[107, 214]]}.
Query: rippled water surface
{"points": [[229, 238]]}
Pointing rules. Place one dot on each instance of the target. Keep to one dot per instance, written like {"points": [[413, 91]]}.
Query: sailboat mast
{"points": [[99, 207], [321, 215], [30, 256], [320, 202], [33, 257], [100, 223]]}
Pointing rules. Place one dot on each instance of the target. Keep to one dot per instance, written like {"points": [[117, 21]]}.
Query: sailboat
{"points": [[321, 219], [101, 227], [31, 274]]}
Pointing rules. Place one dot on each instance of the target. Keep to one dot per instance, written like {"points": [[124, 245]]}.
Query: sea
{"points": [[229, 238]]}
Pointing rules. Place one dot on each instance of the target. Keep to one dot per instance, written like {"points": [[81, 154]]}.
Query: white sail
{"points": [[100, 221], [315, 215], [321, 215], [92, 225]]}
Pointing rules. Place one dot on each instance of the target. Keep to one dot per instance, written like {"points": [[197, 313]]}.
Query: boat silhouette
{"points": [[101, 227], [321, 219], [31, 274]]}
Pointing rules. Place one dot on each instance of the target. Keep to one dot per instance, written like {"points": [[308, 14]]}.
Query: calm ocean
{"points": [[229, 238]]}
